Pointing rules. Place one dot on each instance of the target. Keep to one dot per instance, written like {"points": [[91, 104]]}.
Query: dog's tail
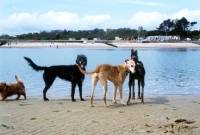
{"points": [[33, 65], [18, 80], [84, 72]]}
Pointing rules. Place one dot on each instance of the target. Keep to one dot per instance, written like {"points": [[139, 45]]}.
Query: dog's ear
{"points": [[77, 58], [126, 60], [3, 83], [85, 58], [132, 50]]}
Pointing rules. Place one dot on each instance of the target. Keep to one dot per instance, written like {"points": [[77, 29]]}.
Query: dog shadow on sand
{"points": [[147, 101]]}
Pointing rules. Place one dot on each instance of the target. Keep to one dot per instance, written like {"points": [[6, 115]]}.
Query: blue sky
{"points": [[27, 16]]}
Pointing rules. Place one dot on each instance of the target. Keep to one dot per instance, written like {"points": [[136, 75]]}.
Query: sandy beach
{"points": [[100, 45], [160, 115]]}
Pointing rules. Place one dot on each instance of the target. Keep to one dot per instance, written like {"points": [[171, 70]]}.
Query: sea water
{"points": [[168, 70]]}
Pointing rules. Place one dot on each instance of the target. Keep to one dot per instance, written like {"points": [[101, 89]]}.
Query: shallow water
{"points": [[168, 71]]}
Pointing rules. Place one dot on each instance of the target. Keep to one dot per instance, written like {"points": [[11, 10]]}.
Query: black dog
{"points": [[67, 72], [139, 75]]}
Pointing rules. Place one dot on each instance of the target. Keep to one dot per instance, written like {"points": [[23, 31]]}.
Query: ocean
{"points": [[168, 70]]}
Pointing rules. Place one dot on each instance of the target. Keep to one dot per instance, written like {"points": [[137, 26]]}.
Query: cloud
{"points": [[25, 22], [148, 21], [190, 15], [151, 20], [137, 2]]}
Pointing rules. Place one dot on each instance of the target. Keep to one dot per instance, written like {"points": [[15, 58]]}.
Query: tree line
{"points": [[178, 27]]}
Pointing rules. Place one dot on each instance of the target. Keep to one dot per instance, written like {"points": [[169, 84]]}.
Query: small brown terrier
{"points": [[7, 90]]}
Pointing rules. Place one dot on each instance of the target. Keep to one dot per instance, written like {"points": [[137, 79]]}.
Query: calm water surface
{"points": [[168, 71]]}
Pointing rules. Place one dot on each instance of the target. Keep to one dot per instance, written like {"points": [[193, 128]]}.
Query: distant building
{"points": [[117, 38], [72, 39], [96, 39], [84, 39], [162, 38]]}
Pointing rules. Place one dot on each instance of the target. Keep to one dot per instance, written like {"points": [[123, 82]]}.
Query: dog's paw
{"points": [[128, 103], [106, 105], [73, 100], [91, 105], [83, 99], [46, 99], [122, 101]]}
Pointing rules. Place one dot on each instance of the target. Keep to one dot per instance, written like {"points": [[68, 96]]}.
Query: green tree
{"points": [[166, 26], [176, 27]]}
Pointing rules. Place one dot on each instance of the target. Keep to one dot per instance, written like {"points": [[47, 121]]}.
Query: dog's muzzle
{"points": [[132, 69], [82, 66]]}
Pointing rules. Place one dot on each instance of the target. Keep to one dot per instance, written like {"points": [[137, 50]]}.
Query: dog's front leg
{"points": [[133, 87], [129, 85], [121, 96], [73, 92]]}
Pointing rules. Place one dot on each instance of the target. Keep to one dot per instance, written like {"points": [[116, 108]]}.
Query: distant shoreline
{"points": [[119, 44]]}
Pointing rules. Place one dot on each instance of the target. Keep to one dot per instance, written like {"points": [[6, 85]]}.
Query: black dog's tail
{"points": [[33, 65]]}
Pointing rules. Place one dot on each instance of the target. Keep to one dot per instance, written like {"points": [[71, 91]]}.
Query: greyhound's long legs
{"points": [[103, 80], [114, 93], [133, 87], [121, 94], [139, 97], [142, 94], [129, 85], [94, 82]]}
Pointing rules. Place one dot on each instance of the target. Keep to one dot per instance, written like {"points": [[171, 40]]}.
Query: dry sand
{"points": [[160, 115], [100, 45]]}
